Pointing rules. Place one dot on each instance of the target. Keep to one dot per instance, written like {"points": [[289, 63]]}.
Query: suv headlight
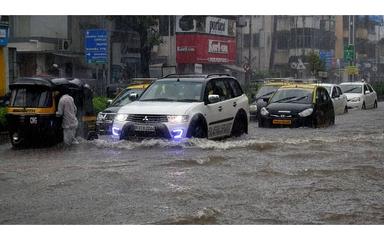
{"points": [[355, 99], [177, 118], [306, 112], [121, 117], [99, 116], [264, 111]]}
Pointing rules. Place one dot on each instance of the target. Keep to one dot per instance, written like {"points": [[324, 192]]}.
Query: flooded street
{"points": [[271, 176]]}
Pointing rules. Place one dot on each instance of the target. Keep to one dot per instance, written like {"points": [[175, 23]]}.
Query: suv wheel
{"points": [[197, 129], [239, 125], [363, 106], [375, 104]]}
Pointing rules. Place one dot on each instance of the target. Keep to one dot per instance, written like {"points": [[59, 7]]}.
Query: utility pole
{"points": [[248, 79]]}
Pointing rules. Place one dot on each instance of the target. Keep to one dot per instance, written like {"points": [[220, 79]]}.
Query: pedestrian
{"points": [[67, 109]]}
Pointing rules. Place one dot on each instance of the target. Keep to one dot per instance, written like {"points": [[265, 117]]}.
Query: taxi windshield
{"points": [[31, 97], [302, 96]]}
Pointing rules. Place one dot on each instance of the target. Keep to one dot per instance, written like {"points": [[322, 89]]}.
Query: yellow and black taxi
{"points": [[264, 93], [298, 105], [105, 118], [31, 113]]}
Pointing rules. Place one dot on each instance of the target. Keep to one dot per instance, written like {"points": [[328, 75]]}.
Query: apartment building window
{"points": [[246, 40], [256, 40], [164, 23], [283, 40]]}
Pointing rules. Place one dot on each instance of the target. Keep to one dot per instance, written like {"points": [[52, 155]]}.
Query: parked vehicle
{"points": [[298, 105], [339, 99], [360, 95], [31, 114], [105, 118], [183, 106]]}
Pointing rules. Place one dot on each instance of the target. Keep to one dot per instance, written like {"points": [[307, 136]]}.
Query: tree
{"points": [[315, 63], [147, 29]]}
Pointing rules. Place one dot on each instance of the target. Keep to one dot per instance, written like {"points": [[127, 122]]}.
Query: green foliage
{"points": [[3, 120], [147, 29], [315, 63], [99, 104], [379, 88]]}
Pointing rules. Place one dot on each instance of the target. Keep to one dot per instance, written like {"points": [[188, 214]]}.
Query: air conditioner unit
{"points": [[64, 45]]}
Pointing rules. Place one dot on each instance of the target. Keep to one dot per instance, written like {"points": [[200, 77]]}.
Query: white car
{"points": [[339, 99], [184, 106], [360, 95]]}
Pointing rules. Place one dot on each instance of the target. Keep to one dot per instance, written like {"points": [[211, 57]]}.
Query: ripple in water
{"points": [[260, 144]]}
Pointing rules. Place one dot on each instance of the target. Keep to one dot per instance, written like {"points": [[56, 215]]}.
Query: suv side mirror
{"points": [[367, 92], [109, 101], [213, 98], [133, 96]]}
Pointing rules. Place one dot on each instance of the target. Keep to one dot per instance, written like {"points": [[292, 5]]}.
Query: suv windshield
{"points": [[266, 91], [179, 91], [352, 88], [123, 98], [292, 96], [31, 97]]}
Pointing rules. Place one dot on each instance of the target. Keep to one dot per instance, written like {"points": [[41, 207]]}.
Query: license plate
{"points": [[33, 120], [282, 122], [144, 128]]}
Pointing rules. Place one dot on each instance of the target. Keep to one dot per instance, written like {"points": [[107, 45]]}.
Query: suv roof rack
{"points": [[191, 75]]}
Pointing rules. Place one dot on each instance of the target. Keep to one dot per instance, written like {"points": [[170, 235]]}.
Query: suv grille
{"points": [[143, 118]]}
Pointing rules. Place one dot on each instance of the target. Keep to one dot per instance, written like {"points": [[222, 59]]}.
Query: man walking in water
{"points": [[67, 109]]}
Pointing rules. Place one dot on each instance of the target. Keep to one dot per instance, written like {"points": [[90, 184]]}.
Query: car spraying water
{"points": [[270, 176]]}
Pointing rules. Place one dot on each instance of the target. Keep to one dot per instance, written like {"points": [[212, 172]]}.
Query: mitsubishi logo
{"points": [[145, 119]]}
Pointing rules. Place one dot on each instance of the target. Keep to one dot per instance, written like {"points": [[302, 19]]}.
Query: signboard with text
{"points": [[203, 48], [96, 46], [3, 36]]}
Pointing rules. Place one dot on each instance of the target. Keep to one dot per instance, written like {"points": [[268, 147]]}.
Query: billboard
{"points": [[204, 48], [207, 25]]}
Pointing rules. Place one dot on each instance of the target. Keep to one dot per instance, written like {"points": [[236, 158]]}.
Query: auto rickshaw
{"points": [[31, 113]]}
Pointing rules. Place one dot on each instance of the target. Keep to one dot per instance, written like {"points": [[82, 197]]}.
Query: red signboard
{"points": [[205, 48]]}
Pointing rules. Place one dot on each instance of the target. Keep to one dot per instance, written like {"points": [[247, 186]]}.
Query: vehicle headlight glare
{"points": [[306, 112], [121, 117], [177, 118], [264, 111]]}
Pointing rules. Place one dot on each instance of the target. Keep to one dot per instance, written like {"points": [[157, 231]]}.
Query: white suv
{"points": [[360, 95], [184, 106]]}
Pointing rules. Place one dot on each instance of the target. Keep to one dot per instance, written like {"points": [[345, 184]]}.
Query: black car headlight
{"points": [[306, 112], [264, 111]]}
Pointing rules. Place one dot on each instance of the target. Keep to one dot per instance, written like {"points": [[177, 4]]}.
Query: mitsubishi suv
{"points": [[184, 106]]}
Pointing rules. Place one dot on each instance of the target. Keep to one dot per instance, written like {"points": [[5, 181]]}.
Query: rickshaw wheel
{"points": [[17, 140]]}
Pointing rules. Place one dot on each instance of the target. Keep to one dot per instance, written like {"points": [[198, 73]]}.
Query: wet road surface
{"points": [[271, 176]]}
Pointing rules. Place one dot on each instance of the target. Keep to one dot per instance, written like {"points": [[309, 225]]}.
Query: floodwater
{"points": [[332, 175]]}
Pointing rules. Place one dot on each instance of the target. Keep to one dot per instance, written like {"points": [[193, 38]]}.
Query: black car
{"points": [[298, 105], [262, 97]]}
